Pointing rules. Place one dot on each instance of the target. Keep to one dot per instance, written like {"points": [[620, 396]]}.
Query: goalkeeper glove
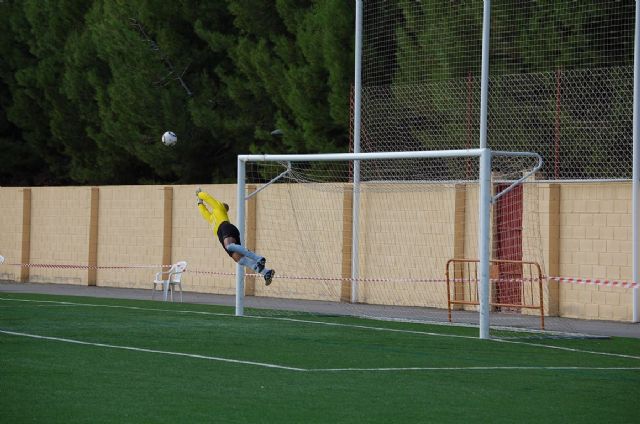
{"points": [[200, 202], [198, 190]]}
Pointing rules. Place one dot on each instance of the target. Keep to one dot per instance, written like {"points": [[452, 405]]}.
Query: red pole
{"points": [[469, 118], [556, 168]]}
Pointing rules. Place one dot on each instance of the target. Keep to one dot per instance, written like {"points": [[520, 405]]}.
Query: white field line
{"points": [[477, 369], [134, 308], [569, 349], [282, 367], [163, 352], [40, 306], [334, 324]]}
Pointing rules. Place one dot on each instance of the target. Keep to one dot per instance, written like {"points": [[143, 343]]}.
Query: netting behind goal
{"points": [[560, 80], [413, 216]]}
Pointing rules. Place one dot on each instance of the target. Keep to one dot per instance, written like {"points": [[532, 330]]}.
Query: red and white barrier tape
{"points": [[299, 277], [191, 271], [573, 280], [73, 266], [596, 281]]}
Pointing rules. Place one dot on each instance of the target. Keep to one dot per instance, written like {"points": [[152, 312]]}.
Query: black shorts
{"points": [[227, 229]]}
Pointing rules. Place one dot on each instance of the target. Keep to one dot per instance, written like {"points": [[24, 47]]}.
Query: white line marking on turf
{"points": [[478, 369], [40, 306], [569, 349], [335, 324], [163, 352], [619, 355], [282, 367], [135, 308]]}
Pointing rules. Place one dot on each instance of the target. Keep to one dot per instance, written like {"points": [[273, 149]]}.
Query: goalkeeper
{"points": [[229, 235]]}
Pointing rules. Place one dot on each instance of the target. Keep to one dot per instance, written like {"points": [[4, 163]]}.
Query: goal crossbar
{"points": [[423, 154]]}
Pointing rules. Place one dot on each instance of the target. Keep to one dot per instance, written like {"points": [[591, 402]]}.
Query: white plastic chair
{"points": [[169, 280]]}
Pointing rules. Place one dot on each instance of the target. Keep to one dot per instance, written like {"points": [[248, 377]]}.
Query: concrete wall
{"points": [[573, 230], [408, 235], [304, 245], [11, 231], [129, 232], [595, 237], [59, 233]]}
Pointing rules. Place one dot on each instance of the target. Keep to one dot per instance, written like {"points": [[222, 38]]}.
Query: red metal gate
{"points": [[508, 245]]}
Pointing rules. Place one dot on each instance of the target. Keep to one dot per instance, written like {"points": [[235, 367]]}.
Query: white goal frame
{"points": [[485, 200]]}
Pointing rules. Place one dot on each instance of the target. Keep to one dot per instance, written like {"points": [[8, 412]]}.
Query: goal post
{"points": [[436, 168]]}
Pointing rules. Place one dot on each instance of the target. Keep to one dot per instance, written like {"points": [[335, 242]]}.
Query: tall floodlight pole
{"points": [[635, 197], [485, 178], [357, 119]]}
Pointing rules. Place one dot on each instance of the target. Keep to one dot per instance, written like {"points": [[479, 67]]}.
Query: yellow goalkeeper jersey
{"points": [[218, 213]]}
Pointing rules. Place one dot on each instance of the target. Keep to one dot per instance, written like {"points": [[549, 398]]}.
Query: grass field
{"points": [[74, 359]]}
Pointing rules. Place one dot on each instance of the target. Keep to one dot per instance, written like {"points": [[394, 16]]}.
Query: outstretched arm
{"points": [[205, 212], [211, 201]]}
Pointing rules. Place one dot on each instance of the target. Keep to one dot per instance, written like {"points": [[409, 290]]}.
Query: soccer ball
{"points": [[169, 138]]}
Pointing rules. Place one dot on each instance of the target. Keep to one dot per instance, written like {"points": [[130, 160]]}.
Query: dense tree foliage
{"points": [[87, 87]]}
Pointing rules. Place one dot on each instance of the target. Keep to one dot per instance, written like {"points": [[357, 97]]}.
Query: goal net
{"points": [[378, 245]]}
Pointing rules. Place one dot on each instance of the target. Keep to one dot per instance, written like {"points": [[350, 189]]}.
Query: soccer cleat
{"points": [[268, 276]]}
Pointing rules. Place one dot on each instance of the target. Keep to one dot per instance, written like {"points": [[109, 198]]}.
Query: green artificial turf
{"points": [[334, 369]]}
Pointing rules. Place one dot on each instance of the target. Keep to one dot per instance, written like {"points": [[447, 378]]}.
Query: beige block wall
{"points": [[406, 234], [535, 224], [595, 240], [471, 222], [533, 217], [59, 233], [10, 231], [304, 246], [129, 233], [470, 241], [548, 196]]}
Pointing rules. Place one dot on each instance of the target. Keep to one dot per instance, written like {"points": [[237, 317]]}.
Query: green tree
{"points": [[88, 87], [156, 77], [292, 71], [20, 161], [30, 78]]}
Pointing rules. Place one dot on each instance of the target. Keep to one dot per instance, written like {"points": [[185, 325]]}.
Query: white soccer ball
{"points": [[169, 138]]}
